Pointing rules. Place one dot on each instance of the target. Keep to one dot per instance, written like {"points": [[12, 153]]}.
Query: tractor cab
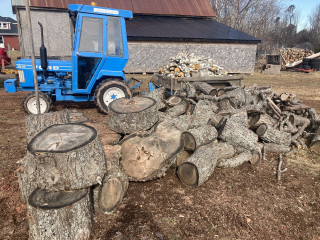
{"points": [[95, 73]]}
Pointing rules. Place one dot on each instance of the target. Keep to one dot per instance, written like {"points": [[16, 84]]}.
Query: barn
{"points": [[159, 30], [9, 33]]}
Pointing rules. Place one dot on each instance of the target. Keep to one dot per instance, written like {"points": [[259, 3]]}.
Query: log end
{"points": [[188, 174], [110, 195], [261, 129]]}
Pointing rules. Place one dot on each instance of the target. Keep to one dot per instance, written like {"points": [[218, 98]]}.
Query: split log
{"points": [[67, 156], [36, 123], [276, 148], [198, 168], [196, 137], [236, 161], [271, 135], [315, 143], [146, 157], [132, 115], [60, 215], [158, 95], [258, 119], [205, 88], [230, 131]]}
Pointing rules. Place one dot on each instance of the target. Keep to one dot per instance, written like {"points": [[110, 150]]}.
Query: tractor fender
{"points": [[112, 74]]}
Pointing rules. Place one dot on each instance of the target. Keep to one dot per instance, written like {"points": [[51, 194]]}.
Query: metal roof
{"points": [[200, 8], [159, 28]]}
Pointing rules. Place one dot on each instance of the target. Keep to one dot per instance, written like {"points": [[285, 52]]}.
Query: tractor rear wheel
{"points": [[108, 91], [29, 103]]}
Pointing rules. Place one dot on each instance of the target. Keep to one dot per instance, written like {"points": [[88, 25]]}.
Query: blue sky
{"points": [[304, 6]]}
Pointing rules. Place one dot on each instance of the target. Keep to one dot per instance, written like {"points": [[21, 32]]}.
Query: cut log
{"points": [[198, 168], [72, 221], [175, 100], [236, 161], [67, 156], [37, 123], [205, 88], [230, 131], [259, 118], [158, 95], [276, 148], [179, 106], [205, 108], [146, 157], [185, 122], [113, 155], [196, 137], [132, 115], [77, 117], [240, 117], [315, 143], [271, 135]]}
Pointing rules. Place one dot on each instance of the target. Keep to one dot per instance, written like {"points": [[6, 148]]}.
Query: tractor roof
{"points": [[99, 10]]}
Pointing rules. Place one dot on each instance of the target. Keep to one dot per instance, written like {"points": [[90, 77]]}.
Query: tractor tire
{"points": [[29, 103], [108, 91]]}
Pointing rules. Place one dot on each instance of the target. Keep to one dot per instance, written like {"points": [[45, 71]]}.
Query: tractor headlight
{"points": [[21, 76]]}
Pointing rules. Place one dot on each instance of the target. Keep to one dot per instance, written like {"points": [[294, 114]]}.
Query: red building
{"points": [[9, 33]]}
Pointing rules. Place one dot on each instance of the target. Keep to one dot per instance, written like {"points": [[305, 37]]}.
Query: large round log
{"points": [[146, 157], [237, 135], [196, 137], [240, 117], [178, 106], [275, 148], [205, 88], [271, 135], [200, 165], [132, 115], [185, 122], [36, 123], [107, 136], [60, 215], [67, 156], [241, 158], [258, 119], [205, 108]]}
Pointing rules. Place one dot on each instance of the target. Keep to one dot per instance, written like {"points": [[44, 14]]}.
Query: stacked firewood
{"points": [[291, 55], [189, 65]]}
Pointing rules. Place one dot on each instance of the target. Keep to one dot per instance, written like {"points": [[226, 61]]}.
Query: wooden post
{"points": [[35, 80]]}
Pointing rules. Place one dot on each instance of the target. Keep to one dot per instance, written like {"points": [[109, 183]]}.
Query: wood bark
{"points": [[205, 88], [70, 222], [146, 157], [132, 115], [179, 106], [240, 117], [198, 168], [205, 108], [259, 118], [67, 156], [36, 123], [158, 95], [230, 131], [196, 137], [271, 135], [235, 161], [276, 148], [185, 122]]}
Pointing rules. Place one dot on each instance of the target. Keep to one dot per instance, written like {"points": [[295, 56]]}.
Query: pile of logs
{"points": [[195, 131], [291, 55], [189, 65]]}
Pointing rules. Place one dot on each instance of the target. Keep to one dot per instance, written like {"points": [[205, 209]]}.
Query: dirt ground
{"points": [[242, 203]]}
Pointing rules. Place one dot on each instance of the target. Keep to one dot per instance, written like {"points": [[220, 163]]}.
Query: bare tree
{"points": [[314, 21]]}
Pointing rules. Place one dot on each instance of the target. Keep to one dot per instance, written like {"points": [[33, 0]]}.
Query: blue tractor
{"points": [[100, 53]]}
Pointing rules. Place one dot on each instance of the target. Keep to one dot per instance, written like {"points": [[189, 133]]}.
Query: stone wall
{"points": [[57, 28], [148, 56]]}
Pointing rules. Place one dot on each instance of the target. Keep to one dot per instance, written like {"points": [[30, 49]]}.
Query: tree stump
{"points": [[236, 161], [132, 115], [60, 215], [146, 157], [68, 157], [196, 137], [36, 123], [198, 168], [271, 135]]}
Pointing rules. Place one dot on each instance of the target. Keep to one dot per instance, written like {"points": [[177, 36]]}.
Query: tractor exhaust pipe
{"points": [[43, 53]]}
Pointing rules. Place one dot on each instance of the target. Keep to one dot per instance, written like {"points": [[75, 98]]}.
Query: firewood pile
{"points": [[189, 65], [291, 55], [193, 132]]}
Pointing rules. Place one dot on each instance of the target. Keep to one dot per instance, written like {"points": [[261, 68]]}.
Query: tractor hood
{"points": [[53, 65]]}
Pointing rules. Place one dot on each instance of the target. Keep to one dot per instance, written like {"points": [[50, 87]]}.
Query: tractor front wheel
{"points": [[30, 106], [108, 91]]}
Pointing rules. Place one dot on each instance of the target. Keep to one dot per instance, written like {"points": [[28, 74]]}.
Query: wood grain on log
{"points": [[146, 157], [132, 115], [67, 156], [258, 119], [196, 137], [70, 222], [271, 135]]}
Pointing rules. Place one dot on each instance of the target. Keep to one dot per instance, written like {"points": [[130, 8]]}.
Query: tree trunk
{"points": [[67, 157], [146, 157], [72, 221], [271, 135], [198, 168], [241, 158], [132, 115], [185, 122], [37, 123], [196, 137]]}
